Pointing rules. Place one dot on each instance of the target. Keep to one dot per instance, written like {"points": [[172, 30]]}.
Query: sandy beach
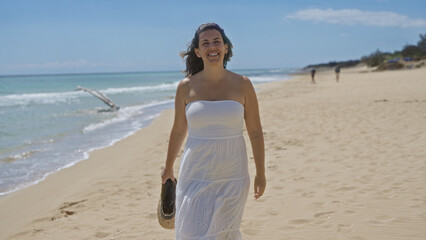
{"points": [[344, 160]]}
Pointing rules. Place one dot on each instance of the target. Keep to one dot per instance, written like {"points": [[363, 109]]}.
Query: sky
{"points": [[82, 36]]}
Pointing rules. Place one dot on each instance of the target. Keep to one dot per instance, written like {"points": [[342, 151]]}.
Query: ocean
{"points": [[47, 125]]}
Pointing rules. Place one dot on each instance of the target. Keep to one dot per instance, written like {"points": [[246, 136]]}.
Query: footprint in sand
{"points": [[29, 234], [299, 190], [272, 167], [278, 187], [308, 194], [380, 220], [249, 227], [151, 215], [296, 179], [280, 148], [321, 222], [70, 204], [318, 204], [65, 211], [299, 222], [101, 235], [349, 212], [272, 213], [250, 232], [346, 189], [344, 228], [324, 214]]}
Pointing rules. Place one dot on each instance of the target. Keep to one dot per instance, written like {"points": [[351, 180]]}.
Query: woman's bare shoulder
{"points": [[189, 80], [242, 80], [239, 78], [185, 81], [183, 88], [246, 84]]}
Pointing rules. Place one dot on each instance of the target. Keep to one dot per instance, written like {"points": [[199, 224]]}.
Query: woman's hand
{"points": [[259, 185], [167, 173]]}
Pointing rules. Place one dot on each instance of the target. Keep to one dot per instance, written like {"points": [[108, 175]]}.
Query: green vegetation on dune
{"points": [[384, 60]]}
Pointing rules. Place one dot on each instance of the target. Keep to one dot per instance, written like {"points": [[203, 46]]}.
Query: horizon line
{"points": [[118, 72]]}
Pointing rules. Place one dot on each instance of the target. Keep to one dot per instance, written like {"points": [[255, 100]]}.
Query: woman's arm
{"points": [[254, 129], [178, 132]]}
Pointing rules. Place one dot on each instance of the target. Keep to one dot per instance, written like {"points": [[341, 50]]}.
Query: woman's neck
{"points": [[213, 73]]}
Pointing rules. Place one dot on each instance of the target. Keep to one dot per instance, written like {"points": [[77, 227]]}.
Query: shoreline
{"points": [[76, 146], [79, 124], [330, 158], [155, 108], [66, 183], [76, 167]]}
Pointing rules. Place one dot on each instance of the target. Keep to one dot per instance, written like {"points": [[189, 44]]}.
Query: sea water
{"points": [[47, 125]]}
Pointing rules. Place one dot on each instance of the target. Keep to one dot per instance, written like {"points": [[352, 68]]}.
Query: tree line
{"points": [[408, 52]]}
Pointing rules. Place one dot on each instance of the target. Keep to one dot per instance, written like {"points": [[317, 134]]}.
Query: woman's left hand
{"points": [[259, 185]]}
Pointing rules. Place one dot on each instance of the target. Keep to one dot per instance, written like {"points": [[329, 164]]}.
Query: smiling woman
{"points": [[194, 63], [211, 105], [211, 46]]}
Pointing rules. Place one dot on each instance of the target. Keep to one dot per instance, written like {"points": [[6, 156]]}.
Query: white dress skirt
{"points": [[213, 181]]}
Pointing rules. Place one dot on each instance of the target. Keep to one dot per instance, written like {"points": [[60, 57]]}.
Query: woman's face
{"points": [[211, 47]]}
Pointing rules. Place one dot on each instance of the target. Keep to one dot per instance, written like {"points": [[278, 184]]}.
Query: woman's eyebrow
{"points": [[206, 40]]}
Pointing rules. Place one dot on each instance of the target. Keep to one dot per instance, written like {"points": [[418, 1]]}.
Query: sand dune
{"points": [[345, 160]]}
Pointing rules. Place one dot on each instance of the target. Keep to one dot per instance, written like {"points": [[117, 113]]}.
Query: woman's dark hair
{"points": [[194, 64]]}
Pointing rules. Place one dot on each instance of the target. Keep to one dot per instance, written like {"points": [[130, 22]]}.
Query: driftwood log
{"points": [[101, 96]]}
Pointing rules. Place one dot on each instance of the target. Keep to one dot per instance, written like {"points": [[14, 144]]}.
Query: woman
{"points": [[211, 104]]}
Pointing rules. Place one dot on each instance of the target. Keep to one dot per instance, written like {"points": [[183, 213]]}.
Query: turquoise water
{"points": [[45, 125]]}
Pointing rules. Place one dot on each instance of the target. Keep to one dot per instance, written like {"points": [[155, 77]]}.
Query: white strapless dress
{"points": [[213, 181]]}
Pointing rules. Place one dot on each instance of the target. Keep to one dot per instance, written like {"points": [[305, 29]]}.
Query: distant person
{"points": [[313, 75], [337, 71]]}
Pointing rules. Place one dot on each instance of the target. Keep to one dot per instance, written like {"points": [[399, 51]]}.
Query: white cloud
{"points": [[357, 17]]}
